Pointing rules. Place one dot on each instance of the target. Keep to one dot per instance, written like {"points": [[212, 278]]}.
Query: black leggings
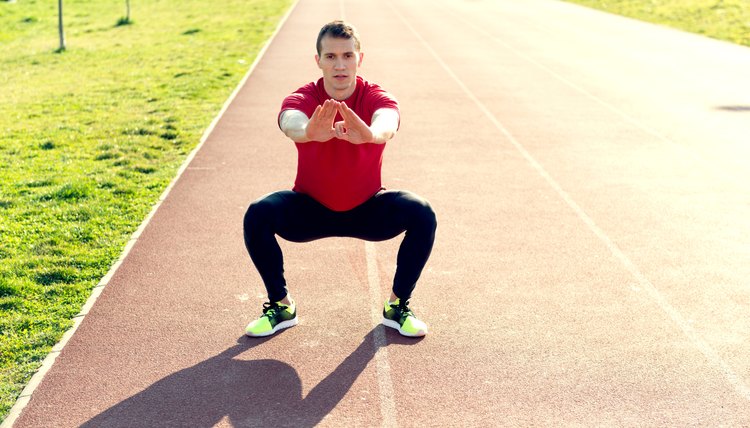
{"points": [[299, 218]]}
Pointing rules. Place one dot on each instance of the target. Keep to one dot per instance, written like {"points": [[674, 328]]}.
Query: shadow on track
{"points": [[737, 108], [248, 393]]}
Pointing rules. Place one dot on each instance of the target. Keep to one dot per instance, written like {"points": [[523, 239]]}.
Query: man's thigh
{"points": [[387, 214], [297, 217]]}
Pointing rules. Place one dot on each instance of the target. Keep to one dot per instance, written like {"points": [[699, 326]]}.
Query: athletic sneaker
{"points": [[398, 315], [276, 316]]}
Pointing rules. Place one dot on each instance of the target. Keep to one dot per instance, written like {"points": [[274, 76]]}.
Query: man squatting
{"points": [[340, 125]]}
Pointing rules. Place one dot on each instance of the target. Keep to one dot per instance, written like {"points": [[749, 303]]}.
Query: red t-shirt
{"points": [[336, 173]]}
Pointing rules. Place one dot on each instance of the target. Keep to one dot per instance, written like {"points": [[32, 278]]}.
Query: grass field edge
{"points": [[25, 397]]}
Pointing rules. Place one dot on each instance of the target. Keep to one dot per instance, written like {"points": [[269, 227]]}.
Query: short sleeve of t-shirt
{"points": [[304, 99], [373, 98], [377, 98]]}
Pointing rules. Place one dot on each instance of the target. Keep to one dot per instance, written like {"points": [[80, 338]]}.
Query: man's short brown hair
{"points": [[338, 29]]}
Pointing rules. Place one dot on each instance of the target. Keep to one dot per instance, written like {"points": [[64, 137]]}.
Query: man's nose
{"points": [[339, 64]]}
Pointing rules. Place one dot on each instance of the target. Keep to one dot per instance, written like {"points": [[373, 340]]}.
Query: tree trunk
{"points": [[60, 25], [127, 14]]}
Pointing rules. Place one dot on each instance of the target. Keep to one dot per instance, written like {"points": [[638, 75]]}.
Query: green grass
{"points": [[720, 19], [91, 136]]}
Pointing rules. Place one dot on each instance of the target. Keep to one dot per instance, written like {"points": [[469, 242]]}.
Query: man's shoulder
{"points": [[368, 86], [305, 98], [310, 88], [373, 91]]}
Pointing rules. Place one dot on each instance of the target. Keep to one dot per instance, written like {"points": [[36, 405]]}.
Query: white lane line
{"points": [[711, 355], [382, 366], [385, 384], [49, 360]]}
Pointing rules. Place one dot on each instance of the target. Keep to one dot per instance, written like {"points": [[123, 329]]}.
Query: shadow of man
{"points": [[249, 393]]}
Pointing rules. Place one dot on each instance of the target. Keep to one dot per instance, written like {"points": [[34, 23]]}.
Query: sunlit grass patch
{"points": [[89, 139], [721, 19]]}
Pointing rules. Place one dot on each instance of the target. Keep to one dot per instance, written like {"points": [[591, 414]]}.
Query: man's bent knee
{"points": [[260, 211], [422, 214], [428, 216]]}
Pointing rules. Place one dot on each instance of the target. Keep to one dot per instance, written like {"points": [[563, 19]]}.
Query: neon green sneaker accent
{"points": [[276, 316], [397, 315]]}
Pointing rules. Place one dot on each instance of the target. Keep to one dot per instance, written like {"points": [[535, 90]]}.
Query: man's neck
{"points": [[340, 95]]}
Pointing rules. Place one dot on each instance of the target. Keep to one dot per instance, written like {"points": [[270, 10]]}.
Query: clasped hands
{"points": [[322, 127]]}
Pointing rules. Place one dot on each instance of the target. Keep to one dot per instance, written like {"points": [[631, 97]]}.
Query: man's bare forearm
{"points": [[293, 124], [384, 125]]}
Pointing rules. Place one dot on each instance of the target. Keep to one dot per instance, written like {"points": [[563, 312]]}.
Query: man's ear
{"points": [[361, 55], [317, 60]]}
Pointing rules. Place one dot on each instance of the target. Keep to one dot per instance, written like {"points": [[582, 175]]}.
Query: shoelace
{"points": [[270, 309], [403, 308]]}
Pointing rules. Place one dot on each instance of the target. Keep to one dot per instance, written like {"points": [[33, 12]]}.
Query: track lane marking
{"points": [[690, 153], [711, 355], [385, 384], [386, 395]]}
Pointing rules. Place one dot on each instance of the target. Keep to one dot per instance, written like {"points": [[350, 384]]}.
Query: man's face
{"points": [[339, 62]]}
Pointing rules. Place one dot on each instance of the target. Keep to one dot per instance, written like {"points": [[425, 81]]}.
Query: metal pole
{"points": [[60, 24]]}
